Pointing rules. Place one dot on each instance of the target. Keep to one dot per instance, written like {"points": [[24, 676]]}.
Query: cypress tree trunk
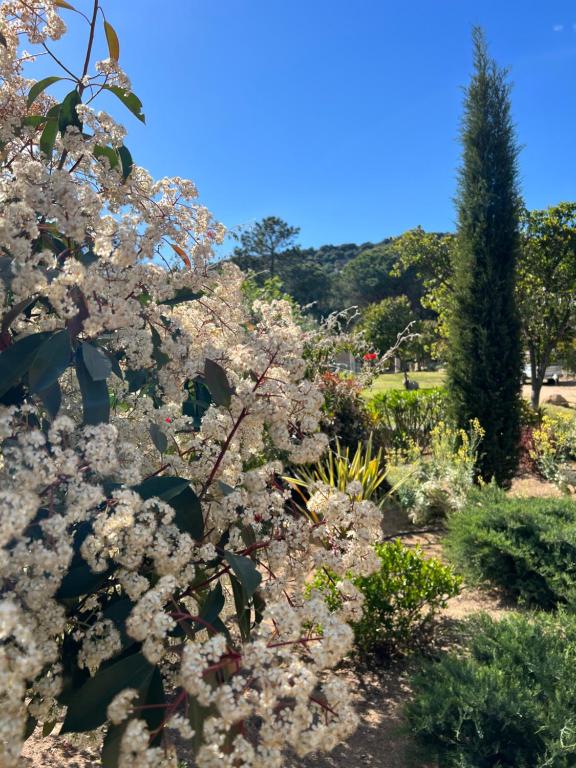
{"points": [[485, 358]]}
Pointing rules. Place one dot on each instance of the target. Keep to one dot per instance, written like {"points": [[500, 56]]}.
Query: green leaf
{"points": [[118, 612], [87, 706], [159, 437], [73, 676], [51, 360], [242, 608], [259, 606], [217, 383], [96, 361], [188, 518], [116, 370], [81, 580], [127, 162], [95, 398], [51, 398], [109, 153], [198, 401], [40, 86], [225, 488], [17, 358], [68, 115], [110, 755], [182, 294], [30, 726], [33, 121], [197, 714], [213, 605], [14, 311], [165, 488], [176, 491], [160, 357], [130, 100], [64, 4], [136, 379], [48, 727], [112, 40], [154, 700], [48, 137], [246, 571]]}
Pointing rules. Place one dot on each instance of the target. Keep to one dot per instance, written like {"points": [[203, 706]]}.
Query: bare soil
{"points": [[380, 691]]}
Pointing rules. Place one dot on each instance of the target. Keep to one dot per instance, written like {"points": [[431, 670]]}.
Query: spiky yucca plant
{"points": [[339, 468]]}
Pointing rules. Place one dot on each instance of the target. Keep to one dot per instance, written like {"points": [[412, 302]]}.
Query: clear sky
{"points": [[340, 116]]}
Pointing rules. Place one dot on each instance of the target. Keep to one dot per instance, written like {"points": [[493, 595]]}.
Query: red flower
{"points": [[370, 356], [168, 420]]}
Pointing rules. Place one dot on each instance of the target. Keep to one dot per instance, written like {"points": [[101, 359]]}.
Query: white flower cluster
{"points": [[102, 562]]}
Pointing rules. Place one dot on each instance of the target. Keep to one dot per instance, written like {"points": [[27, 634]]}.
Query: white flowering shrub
{"points": [[152, 570]]}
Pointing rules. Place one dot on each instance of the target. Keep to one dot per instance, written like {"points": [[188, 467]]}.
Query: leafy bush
{"points": [[507, 701], [430, 486], [553, 447], [400, 600], [405, 418], [525, 546], [346, 416]]}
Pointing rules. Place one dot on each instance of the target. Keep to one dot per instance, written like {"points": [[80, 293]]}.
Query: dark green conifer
{"points": [[485, 358]]}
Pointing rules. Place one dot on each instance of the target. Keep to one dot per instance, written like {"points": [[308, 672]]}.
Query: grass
{"points": [[426, 379]]}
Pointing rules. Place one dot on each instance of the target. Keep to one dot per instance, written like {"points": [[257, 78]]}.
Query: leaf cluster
{"points": [[400, 600]]}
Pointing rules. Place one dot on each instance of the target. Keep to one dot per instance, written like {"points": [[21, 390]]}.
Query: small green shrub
{"points": [[430, 486], [554, 448], [400, 600], [507, 701], [525, 546], [405, 418], [346, 415]]}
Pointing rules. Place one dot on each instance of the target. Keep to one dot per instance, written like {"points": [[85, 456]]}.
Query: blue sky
{"points": [[340, 116]]}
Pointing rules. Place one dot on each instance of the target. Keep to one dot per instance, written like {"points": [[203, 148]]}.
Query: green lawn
{"points": [[426, 379]]}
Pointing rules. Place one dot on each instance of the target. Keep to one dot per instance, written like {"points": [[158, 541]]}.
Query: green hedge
{"points": [[507, 700], [407, 417], [527, 547]]}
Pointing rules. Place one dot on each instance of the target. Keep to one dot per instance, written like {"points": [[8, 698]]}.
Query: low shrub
{"points": [[431, 486], [525, 546], [404, 418], [508, 700], [400, 600], [554, 447], [346, 415]]}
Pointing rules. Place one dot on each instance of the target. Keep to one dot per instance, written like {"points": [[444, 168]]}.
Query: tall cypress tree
{"points": [[485, 357]]}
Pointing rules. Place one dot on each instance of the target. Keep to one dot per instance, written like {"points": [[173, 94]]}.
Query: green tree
{"points": [[547, 285], [371, 276], [429, 256], [485, 359], [265, 241], [384, 322]]}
